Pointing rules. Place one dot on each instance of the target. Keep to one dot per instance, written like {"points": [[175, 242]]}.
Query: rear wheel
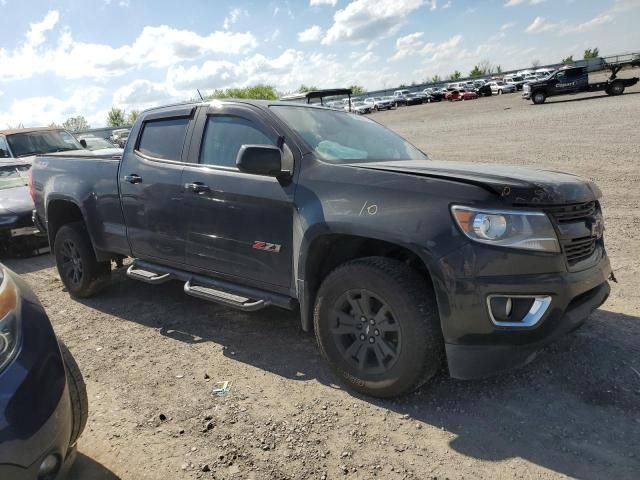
{"points": [[377, 326], [77, 393], [616, 88], [81, 273], [539, 97]]}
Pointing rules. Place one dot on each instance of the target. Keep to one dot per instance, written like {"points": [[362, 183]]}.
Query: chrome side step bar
{"points": [[147, 276], [241, 297], [225, 298]]}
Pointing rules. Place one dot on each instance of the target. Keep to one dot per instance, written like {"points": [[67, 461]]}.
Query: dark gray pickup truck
{"points": [[394, 260]]}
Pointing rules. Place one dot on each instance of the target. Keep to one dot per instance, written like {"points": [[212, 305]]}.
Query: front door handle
{"points": [[197, 187], [133, 178]]}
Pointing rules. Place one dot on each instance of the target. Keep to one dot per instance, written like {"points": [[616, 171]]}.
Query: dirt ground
{"points": [[152, 356]]}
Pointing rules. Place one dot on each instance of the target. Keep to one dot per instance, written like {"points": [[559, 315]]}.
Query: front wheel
{"points": [[77, 393], [81, 273], [377, 325], [499, 92], [539, 97]]}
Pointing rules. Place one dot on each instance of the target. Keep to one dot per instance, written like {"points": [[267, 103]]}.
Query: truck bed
{"points": [[93, 182]]}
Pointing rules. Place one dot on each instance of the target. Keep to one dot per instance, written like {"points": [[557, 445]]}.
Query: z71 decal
{"points": [[267, 247]]}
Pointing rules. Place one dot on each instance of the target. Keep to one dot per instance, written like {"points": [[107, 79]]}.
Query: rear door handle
{"points": [[133, 178], [197, 187]]}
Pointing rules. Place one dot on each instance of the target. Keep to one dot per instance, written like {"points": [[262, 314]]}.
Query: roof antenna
{"points": [[201, 97]]}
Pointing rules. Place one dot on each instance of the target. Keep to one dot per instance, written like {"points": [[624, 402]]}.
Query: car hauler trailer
{"points": [[574, 78]]}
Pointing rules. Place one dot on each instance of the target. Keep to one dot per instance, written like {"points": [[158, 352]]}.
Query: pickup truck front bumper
{"points": [[477, 347]]}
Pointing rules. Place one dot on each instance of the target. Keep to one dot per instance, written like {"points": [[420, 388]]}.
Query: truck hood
{"points": [[15, 200], [516, 185]]}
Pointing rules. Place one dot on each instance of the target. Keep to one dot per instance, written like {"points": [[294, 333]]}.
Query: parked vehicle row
{"points": [[18, 148]]}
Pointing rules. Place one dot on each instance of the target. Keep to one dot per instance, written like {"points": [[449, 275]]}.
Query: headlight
{"points": [[9, 328], [507, 228]]}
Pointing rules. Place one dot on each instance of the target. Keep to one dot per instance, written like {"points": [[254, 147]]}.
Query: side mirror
{"points": [[83, 142], [260, 160]]}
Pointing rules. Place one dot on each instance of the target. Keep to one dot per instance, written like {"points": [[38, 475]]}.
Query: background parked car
{"points": [[359, 107], [100, 146], [400, 97], [43, 398], [468, 94], [415, 98], [380, 103], [499, 87], [434, 94], [518, 82], [120, 136], [17, 231], [483, 89], [26, 143]]}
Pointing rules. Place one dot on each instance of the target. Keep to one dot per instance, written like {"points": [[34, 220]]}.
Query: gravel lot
{"points": [[152, 356]]}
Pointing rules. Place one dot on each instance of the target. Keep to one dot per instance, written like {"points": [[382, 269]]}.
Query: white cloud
{"points": [[586, 26], [507, 26], [311, 34], [540, 25], [412, 44], [233, 17], [314, 3], [159, 47], [408, 45], [513, 3], [141, 94], [625, 5], [366, 20], [285, 71], [35, 36], [446, 5], [42, 110]]}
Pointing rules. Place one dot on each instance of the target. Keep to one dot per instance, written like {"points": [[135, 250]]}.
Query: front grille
{"points": [[574, 213], [577, 246], [579, 249]]}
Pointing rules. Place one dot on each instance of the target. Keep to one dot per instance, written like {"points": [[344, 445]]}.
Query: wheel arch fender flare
{"points": [[315, 242]]}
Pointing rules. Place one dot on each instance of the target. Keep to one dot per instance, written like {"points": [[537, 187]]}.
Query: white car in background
{"points": [[380, 103], [100, 146], [499, 87]]}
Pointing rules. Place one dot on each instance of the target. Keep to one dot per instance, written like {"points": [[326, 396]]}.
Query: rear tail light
{"points": [[32, 190]]}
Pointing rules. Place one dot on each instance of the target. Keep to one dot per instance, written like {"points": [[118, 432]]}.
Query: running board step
{"points": [[225, 298], [147, 276]]}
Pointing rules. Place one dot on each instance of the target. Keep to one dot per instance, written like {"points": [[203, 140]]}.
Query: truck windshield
{"points": [[340, 137], [42, 142], [12, 176]]}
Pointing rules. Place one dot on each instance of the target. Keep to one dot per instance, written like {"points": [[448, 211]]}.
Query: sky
{"points": [[63, 58]]}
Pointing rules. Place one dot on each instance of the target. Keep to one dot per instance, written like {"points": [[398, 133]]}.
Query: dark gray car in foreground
{"points": [[397, 262]]}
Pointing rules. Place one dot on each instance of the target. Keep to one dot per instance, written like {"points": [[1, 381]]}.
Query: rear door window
{"points": [[164, 138]]}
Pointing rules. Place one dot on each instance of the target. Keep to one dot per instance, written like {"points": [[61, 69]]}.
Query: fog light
{"points": [[49, 466], [517, 310]]}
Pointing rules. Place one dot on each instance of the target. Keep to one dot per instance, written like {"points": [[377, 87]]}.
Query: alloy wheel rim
{"points": [[366, 332], [71, 262]]}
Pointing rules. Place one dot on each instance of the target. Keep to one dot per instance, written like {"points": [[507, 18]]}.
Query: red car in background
{"points": [[455, 95]]}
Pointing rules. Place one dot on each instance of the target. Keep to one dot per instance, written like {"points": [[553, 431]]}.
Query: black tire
{"points": [[500, 92], [400, 352], [616, 88], [538, 97], [77, 393], [79, 270]]}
